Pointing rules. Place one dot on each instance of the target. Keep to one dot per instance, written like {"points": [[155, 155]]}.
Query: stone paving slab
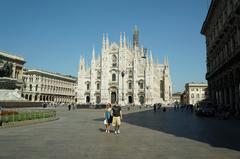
{"points": [[144, 134]]}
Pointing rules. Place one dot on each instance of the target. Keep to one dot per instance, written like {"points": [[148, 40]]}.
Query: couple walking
{"points": [[113, 114]]}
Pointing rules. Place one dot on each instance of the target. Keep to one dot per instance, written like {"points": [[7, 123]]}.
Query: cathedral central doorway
{"points": [[141, 100], [113, 97], [130, 100], [87, 99], [98, 99]]}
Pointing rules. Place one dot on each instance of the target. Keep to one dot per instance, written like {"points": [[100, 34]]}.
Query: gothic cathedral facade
{"points": [[124, 73]]}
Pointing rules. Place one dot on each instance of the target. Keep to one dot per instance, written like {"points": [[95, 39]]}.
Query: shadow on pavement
{"points": [[218, 133], [101, 130]]}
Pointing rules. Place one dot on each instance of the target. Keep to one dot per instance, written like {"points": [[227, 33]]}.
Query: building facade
{"points": [[222, 31], [176, 97], [42, 86], [195, 92], [11, 71], [124, 73]]}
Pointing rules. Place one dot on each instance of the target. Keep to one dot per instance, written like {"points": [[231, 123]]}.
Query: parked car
{"points": [[205, 109]]}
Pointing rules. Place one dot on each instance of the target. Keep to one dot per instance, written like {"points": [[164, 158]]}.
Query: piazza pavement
{"points": [[79, 134]]}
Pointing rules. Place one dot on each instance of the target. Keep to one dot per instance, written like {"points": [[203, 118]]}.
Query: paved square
{"points": [[144, 134]]}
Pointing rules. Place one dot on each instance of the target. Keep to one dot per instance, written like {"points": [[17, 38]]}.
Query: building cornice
{"points": [[57, 75], [197, 84], [14, 57], [209, 15]]}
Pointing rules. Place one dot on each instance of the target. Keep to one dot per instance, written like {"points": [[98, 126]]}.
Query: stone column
{"points": [[20, 76], [33, 98], [38, 98], [230, 96], [225, 96], [236, 96], [14, 70], [238, 35]]}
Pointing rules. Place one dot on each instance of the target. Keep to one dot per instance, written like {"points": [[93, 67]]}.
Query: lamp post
{"points": [[122, 74], [147, 98], [144, 57]]}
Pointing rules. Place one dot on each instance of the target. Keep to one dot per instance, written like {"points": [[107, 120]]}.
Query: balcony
{"points": [[113, 84], [87, 92]]}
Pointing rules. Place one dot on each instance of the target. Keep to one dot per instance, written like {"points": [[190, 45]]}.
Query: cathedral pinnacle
{"points": [[93, 54], [120, 40], [107, 41], [103, 43], [124, 40]]}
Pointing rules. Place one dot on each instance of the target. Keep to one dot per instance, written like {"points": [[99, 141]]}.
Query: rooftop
{"points": [[5, 54], [69, 77]]}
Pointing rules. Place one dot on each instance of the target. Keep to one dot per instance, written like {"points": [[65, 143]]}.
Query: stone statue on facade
{"points": [[6, 70]]}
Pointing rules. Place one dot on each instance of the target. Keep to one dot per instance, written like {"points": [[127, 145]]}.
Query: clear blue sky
{"points": [[52, 34]]}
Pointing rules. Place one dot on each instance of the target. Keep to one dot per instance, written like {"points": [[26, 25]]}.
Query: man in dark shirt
{"points": [[117, 117]]}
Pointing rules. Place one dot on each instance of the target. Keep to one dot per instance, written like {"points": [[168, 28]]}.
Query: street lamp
{"points": [[144, 57], [122, 74]]}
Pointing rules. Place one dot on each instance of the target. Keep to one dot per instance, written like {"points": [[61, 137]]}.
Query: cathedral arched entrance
{"points": [[98, 99], [113, 97], [26, 96], [130, 99], [87, 99], [141, 99]]}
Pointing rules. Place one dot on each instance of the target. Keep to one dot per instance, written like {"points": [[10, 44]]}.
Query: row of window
{"points": [[47, 80], [197, 89], [225, 52], [226, 8], [51, 89], [129, 85], [198, 96]]}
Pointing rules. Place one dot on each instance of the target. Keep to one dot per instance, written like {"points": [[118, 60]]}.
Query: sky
{"points": [[51, 35]]}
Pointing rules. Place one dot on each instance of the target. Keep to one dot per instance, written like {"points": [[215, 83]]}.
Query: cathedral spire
{"points": [[124, 41], [120, 40], [103, 43], [135, 37], [147, 58], [81, 65], [151, 57], [128, 42], [93, 56], [157, 62], [107, 41], [165, 60]]}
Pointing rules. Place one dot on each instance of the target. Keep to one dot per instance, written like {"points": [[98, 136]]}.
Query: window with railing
{"points": [[130, 85], [192, 95], [141, 84], [98, 86], [98, 75], [130, 74], [113, 77], [198, 96]]}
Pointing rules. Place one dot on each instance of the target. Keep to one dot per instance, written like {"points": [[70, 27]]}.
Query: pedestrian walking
{"points": [[117, 117], [107, 117], [159, 105], [154, 107], [164, 109], [69, 106]]}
